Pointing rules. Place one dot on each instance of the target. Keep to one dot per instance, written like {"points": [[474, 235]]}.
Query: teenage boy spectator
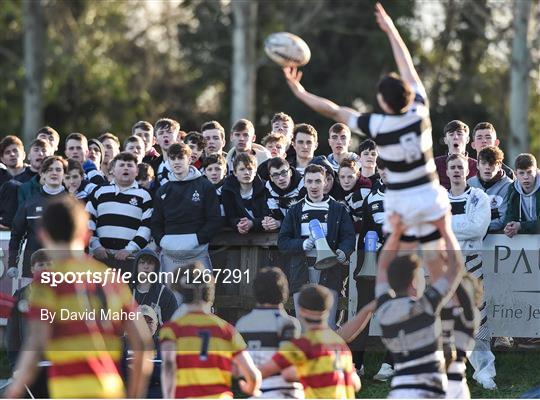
{"points": [[330, 173], [149, 291], [26, 220], [283, 188], [493, 180], [84, 355], [339, 139], [195, 142], [276, 144], [119, 215], [111, 146], [298, 246], [209, 373], [283, 124], [145, 131], [484, 135], [405, 315], [75, 183], [96, 152], [186, 212], [267, 326], [471, 217], [305, 143], [145, 176], [355, 189], [523, 212], [368, 154], [12, 156], [322, 359], [214, 136], [456, 137], [16, 191], [215, 169], [243, 140], [135, 145], [51, 135], [17, 324], [166, 131], [77, 149], [244, 198]]}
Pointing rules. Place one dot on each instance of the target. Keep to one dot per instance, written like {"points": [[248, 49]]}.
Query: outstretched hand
{"points": [[398, 227], [293, 77], [383, 19]]}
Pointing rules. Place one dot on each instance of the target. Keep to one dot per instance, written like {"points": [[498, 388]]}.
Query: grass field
{"points": [[517, 372]]}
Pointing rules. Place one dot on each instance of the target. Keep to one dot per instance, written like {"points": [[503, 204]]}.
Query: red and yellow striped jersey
{"points": [[205, 348], [323, 363], [85, 350]]}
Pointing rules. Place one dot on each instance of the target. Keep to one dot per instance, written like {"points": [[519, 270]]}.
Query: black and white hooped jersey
{"points": [[264, 329], [311, 211], [162, 174], [412, 332], [404, 142], [279, 201], [457, 203]]}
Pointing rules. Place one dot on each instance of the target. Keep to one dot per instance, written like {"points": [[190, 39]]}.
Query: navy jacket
{"points": [[340, 235]]}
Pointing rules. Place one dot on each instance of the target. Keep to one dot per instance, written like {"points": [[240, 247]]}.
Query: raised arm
{"points": [[399, 49], [323, 106], [390, 249]]}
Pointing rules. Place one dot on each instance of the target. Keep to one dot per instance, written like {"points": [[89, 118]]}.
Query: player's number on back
{"points": [[411, 147], [205, 342]]}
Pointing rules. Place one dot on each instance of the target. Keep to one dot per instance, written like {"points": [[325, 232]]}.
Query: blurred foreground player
{"points": [[199, 349], [85, 353]]}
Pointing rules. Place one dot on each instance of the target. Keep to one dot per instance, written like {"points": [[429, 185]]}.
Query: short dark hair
{"points": [[274, 138], [71, 212], [133, 139], [242, 125], [109, 135], [124, 156], [39, 256], [401, 272], [315, 297], [491, 154], [51, 159], [247, 159], [277, 162], [305, 128], [525, 161], [281, 116], [75, 165], [178, 150], [271, 286], [214, 159], [338, 128], [8, 141], [145, 171], [167, 123], [483, 125], [349, 163], [196, 138], [315, 169], [77, 136], [213, 125], [455, 156], [367, 144], [396, 93], [48, 131], [44, 144], [456, 125], [143, 125]]}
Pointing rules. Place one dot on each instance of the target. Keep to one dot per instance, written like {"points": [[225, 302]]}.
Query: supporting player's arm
{"points": [[27, 365], [168, 369], [140, 340], [390, 249], [320, 104], [249, 371], [402, 56], [350, 330]]}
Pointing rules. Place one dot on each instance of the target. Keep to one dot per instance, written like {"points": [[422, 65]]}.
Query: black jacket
{"points": [[8, 201], [25, 225], [188, 206], [234, 205], [340, 235]]}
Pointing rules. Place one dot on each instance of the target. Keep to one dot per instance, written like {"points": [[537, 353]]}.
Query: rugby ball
{"points": [[287, 50]]}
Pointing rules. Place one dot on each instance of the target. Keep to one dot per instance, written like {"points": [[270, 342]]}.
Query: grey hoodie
{"points": [[527, 201], [193, 173]]}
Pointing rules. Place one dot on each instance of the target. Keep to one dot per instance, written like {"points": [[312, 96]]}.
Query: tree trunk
{"points": [[244, 71], [519, 81], [34, 41]]}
